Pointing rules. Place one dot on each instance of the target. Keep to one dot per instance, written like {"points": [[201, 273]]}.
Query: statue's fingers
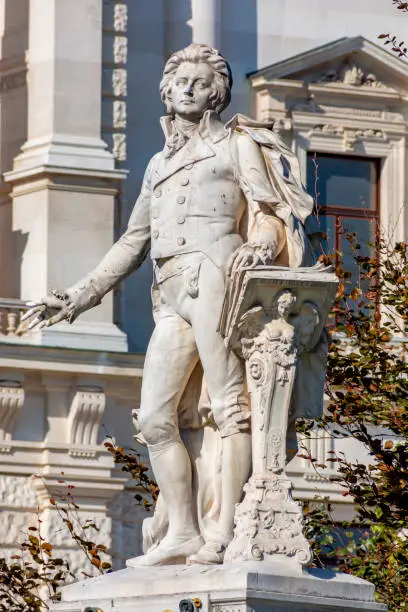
{"points": [[238, 261], [241, 261], [230, 263], [37, 307], [60, 316], [36, 322]]}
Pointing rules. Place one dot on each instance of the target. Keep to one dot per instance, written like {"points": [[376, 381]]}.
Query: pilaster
{"points": [[64, 180]]}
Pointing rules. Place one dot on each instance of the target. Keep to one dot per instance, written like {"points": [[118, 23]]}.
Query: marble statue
{"points": [[218, 200]]}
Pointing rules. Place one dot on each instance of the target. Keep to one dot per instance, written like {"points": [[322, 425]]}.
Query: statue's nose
{"points": [[189, 89]]}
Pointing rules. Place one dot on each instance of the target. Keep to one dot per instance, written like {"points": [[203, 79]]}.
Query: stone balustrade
{"points": [[11, 311]]}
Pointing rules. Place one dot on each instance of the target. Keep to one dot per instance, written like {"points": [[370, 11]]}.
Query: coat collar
{"points": [[211, 127], [198, 147]]}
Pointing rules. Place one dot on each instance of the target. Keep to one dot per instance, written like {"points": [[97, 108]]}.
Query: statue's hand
{"points": [[49, 310], [244, 257], [250, 255]]}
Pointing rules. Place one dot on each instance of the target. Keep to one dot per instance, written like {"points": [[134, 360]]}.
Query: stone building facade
{"points": [[79, 110]]}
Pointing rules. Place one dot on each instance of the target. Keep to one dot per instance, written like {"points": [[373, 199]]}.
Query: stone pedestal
{"points": [[274, 318], [241, 587]]}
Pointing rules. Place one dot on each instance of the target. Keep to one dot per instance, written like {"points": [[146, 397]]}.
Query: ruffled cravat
{"points": [[181, 132]]}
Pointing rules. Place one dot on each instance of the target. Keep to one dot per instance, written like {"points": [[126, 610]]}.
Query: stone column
{"points": [[13, 112], [64, 180], [206, 21]]}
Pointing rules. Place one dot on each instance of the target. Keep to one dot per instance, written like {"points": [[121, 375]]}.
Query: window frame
{"points": [[338, 212]]}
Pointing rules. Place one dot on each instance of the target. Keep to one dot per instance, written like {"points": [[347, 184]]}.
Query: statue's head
{"points": [[285, 300], [196, 79]]}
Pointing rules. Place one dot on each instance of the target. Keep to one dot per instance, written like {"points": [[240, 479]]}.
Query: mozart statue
{"points": [[218, 198]]}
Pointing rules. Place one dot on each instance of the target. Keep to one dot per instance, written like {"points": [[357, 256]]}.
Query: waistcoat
{"points": [[196, 201]]}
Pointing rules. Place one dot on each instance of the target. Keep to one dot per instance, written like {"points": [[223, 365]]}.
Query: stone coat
{"points": [[218, 191]]}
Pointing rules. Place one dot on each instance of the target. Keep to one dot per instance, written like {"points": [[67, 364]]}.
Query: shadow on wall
{"points": [[19, 240]]}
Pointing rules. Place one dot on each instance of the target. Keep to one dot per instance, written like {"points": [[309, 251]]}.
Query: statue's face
{"points": [[285, 303], [191, 90]]}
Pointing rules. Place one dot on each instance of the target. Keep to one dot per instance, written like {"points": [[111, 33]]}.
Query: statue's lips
{"points": [[186, 101]]}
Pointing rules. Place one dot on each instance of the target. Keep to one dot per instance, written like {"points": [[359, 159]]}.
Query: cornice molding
{"points": [[310, 60]]}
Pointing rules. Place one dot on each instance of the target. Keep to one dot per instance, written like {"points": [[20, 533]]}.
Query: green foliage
{"points": [[367, 386]]}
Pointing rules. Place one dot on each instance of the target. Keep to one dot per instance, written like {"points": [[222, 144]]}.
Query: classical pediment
{"points": [[345, 64]]}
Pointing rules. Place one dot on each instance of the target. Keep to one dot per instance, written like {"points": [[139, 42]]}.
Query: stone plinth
{"points": [[238, 587]]}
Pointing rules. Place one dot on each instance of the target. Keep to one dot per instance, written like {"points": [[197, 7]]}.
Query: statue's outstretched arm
{"points": [[125, 256]]}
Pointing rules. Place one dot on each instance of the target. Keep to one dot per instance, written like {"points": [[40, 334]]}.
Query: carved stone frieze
{"points": [[119, 146], [351, 73], [349, 136], [11, 401], [120, 18], [120, 49], [119, 82], [349, 111], [119, 114], [85, 415]]}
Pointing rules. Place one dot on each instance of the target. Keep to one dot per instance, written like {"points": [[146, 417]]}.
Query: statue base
{"points": [[278, 586]]}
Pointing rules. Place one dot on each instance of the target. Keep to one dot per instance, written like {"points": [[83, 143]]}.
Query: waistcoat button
{"points": [[181, 219], [155, 212], [181, 240], [155, 234], [184, 181], [180, 199], [157, 192], [189, 166]]}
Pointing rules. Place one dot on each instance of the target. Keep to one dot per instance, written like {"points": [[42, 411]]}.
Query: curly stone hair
{"points": [[196, 54]]}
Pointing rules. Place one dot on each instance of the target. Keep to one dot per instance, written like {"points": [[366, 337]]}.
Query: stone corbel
{"points": [[11, 401], [85, 415]]}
